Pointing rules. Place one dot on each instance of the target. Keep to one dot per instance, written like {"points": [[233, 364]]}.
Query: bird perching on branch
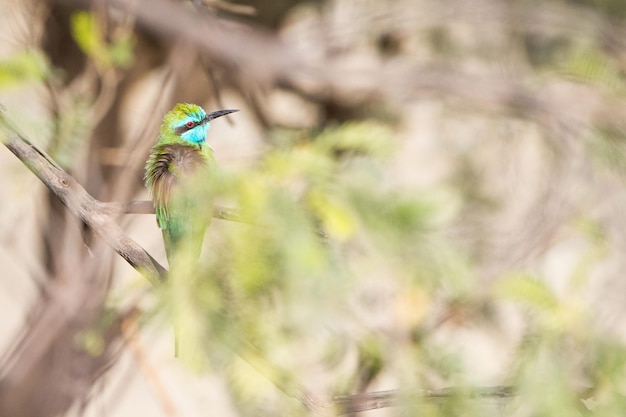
{"points": [[178, 174]]}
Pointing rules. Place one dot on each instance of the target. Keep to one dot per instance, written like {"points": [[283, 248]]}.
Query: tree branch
{"points": [[146, 207], [349, 404], [95, 214]]}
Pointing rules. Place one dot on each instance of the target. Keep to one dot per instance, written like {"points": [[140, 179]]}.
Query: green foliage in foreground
{"points": [[336, 275], [347, 282], [301, 279]]}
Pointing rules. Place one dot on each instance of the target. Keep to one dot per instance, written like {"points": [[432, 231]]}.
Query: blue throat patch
{"points": [[197, 134]]}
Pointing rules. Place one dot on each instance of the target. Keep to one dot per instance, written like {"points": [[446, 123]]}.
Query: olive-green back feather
{"points": [[178, 178]]}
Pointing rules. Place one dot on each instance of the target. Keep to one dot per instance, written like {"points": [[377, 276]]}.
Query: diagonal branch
{"points": [[92, 212]]}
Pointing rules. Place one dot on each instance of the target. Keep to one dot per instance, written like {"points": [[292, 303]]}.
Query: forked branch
{"points": [[95, 214]]}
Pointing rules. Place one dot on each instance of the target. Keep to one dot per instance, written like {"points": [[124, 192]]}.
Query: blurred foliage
{"points": [[343, 274], [118, 52], [319, 221], [545, 52], [595, 68], [613, 8], [608, 145], [79, 109], [25, 66], [71, 128]]}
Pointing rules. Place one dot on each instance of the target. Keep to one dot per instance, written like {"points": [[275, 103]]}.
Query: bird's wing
{"points": [[177, 177]]}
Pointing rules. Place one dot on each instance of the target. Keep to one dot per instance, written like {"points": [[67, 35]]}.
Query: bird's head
{"points": [[190, 122]]}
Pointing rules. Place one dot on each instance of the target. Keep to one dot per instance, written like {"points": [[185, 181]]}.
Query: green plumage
{"points": [[178, 177], [178, 193], [178, 174]]}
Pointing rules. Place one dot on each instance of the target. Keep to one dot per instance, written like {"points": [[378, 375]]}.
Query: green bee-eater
{"points": [[178, 174]]}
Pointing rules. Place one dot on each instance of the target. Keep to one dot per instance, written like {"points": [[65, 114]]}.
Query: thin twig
{"points": [[348, 404], [146, 207]]}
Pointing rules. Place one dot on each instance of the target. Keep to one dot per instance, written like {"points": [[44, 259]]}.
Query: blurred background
{"points": [[434, 196]]}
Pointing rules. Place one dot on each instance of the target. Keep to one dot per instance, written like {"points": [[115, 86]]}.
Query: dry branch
{"points": [[146, 207], [92, 212], [350, 404]]}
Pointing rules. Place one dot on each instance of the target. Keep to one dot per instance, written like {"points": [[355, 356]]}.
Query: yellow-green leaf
{"points": [[336, 217], [528, 290], [26, 66]]}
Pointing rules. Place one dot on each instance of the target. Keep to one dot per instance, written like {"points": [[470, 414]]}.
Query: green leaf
{"points": [[337, 218], [90, 39], [87, 34], [121, 52], [528, 290], [591, 66], [25, 66]]}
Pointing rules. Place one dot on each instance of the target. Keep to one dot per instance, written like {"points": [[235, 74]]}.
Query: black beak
{"points": [[218, 113]]}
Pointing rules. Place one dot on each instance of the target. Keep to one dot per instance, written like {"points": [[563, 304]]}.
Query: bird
{"points": [[178, 173]]}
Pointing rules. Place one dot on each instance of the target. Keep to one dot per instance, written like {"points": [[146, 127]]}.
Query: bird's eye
{"points": [[189, 124]]}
